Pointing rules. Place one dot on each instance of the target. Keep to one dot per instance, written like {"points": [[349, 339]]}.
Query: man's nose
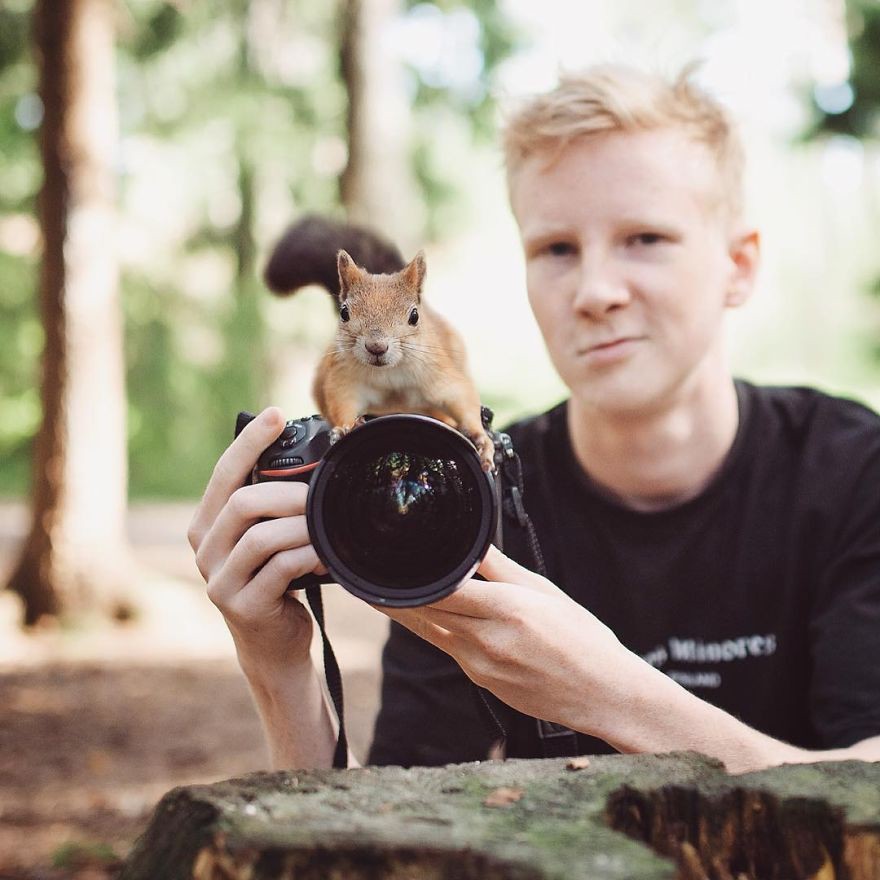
{"points": [[599, 289]]}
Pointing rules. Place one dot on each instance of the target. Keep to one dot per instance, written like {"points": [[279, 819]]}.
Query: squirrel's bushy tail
{"points": [[306, 254]]}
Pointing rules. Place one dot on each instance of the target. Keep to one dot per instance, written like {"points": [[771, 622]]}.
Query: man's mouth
{"points": [[607, 346], [602, 352]]}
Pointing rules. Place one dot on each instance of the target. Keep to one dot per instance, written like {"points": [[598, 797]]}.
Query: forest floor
{"points": [[97, 723]]}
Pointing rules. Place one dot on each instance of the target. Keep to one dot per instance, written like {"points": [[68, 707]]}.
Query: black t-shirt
{"points": [[761, 595]]}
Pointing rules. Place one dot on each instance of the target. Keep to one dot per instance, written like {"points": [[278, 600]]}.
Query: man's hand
{"points": [[522, 638], [250, 541], [540, 652]]}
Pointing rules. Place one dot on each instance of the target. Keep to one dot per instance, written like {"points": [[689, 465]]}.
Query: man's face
{"points": [[630, 265]]}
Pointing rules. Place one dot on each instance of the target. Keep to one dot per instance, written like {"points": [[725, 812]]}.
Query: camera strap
{"points": [[332, 675], [557, 741]]}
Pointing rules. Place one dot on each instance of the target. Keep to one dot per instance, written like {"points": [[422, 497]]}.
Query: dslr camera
{"points": [[399, 510]]}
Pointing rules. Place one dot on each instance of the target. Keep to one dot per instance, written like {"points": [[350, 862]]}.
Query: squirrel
{"points": [[392, 352]]}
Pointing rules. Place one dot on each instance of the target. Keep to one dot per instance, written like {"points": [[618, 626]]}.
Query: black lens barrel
{"points": [[400, 510]]}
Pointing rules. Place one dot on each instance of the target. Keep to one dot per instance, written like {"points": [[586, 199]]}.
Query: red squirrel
{"points": [[392, 352]]}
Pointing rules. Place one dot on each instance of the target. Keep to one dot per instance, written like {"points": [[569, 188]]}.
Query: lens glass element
{"points": [[405, 506]]}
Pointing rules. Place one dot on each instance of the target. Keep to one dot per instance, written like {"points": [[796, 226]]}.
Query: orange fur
{"points": [[419, 367]]}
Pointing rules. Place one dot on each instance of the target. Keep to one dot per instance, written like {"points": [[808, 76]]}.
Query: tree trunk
{"points": [[75, 557], [644, 817], [376, 185]]}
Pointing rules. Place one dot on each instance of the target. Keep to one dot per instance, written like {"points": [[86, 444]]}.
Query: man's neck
{"points": [[656, 460]]}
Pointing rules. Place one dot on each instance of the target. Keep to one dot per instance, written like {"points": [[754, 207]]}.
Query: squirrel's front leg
{"points": [[463, 405], [344, 413]]}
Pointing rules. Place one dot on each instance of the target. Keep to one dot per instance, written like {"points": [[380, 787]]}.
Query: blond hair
{"points": [[612, 98]]}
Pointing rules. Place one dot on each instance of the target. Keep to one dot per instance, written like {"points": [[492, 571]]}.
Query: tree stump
{"points": [[606, 818]]}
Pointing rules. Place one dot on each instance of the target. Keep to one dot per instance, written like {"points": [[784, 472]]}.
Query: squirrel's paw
{"points": [[486, 451], [337, 433]]}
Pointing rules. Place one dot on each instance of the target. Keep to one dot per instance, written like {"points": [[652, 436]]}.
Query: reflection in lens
{"points": [[401, 519]]}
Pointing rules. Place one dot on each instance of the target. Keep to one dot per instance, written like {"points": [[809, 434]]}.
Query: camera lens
{"points": [[400, 510]]}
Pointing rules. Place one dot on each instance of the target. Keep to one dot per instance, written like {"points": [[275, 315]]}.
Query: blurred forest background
{"points": [[152, 151], [234, 118]]}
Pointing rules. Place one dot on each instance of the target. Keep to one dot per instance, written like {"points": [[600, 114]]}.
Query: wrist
{"points": [[617, 703], [273, 674], [296, 720]]}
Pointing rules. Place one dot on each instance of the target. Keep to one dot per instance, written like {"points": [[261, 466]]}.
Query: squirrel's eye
{"points": [[343, 313], [414, 316]]}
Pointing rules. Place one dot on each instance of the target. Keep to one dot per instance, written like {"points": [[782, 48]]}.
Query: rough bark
{"points": [[376, 186], [634, 817], [75, 557]]}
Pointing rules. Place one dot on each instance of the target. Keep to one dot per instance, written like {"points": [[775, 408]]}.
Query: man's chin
{"points": [[619, 396]]}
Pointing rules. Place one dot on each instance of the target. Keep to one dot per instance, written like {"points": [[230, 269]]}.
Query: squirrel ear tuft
{"points": [[414, 272], [349, 272]]}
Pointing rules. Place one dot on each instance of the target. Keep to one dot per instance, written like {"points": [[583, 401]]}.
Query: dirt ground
{"points": [[97, 724]]}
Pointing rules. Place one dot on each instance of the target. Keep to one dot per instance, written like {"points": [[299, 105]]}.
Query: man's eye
{"points": [[647, 238], [560, 249]]}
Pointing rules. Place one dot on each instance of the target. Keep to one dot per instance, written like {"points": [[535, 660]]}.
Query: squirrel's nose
{"points": [[377, 348]]}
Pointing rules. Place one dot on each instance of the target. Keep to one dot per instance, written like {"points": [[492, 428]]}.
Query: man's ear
{"points": [[414, 273], [745, 255], [349, 273]]}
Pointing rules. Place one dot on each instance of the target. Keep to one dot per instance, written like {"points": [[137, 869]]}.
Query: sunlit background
{"points": [[815, 203], [195, 118], [220, 123]]}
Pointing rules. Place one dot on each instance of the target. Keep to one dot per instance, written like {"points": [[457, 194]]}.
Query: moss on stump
{"points": [[635, 817]]}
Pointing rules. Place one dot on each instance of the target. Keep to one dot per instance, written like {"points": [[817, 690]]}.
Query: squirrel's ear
{"points": [[414, 273], [349, 273]]}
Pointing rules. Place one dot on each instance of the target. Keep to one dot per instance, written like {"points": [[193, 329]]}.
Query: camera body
{"points": [[295, 454], [302, 444], [399, 510]]}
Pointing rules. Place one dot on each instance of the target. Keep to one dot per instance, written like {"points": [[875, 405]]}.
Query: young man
{"points": [[713, 549]]}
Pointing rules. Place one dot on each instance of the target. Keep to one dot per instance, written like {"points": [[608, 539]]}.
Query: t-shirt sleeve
{"points": [[845, 622], [429, 713]]}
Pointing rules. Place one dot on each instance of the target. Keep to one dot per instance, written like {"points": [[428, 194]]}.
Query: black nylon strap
{"points": [[557, 741], [332, 675], [487, 714]]}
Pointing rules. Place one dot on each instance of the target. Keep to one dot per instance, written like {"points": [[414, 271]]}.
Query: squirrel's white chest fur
{"points": [[401, 387]]}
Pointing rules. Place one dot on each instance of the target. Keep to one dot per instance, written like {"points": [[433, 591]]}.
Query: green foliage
{"points": [[484, 37], [162, 26], [21, 339], [861, 118], [19, 170], [495, 40], [14, 24], [74, 855], [232, 123], [857, 115]]}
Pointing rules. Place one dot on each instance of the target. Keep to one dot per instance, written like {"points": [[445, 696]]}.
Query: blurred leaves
{"points": [[853, 108], [21, 340], [233, 122], [14, 28], [161, 27]]}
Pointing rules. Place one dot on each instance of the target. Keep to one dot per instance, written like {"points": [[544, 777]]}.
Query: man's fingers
{"points": [[247, 506], [477, 599], [273, 579], [416, 621], [259, 544], [498, 567], [233, 468]]}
